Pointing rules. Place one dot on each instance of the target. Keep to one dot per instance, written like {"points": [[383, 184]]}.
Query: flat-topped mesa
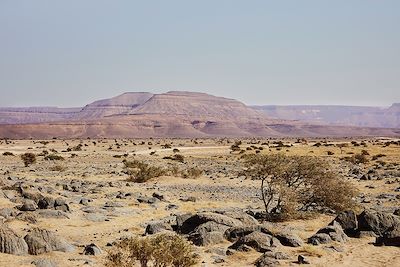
{"points": [[113, 106], [196, 106]]}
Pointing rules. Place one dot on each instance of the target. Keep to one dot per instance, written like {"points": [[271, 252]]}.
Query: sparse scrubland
{"points": [[200, 202]]}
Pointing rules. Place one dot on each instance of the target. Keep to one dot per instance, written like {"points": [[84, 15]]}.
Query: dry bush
{"points": [[8, 153], [192, 173], [58, 168], [357, 159], [177, 157], [141, 172], [159, 250], [28, 159], [292, 185]]}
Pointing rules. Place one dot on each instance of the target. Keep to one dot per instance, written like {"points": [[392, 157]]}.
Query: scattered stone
{"points": [[45, 263], [302, 260], [157, 227], [92, 249], [28, 205]]}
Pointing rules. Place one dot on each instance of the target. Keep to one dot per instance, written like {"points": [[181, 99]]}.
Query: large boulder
{"points": [[28, 205], [40, 241], [259, 241], [11, 243], [333, 232], [378, 222], [245, 218], [194, 221], [390, 237], [348, 222], [234, 233], [288, 238], [157, 227], [208, 233]]}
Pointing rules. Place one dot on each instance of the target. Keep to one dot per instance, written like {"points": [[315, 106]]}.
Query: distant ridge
{"points": [[173, 114], [384, 117]]}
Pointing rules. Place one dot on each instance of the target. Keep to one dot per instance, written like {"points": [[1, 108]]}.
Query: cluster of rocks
{"points": [[384, 226], [37, 241], [241, 229]]}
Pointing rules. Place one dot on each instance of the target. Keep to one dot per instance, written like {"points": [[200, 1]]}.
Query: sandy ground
{"points": [[97, 164]]}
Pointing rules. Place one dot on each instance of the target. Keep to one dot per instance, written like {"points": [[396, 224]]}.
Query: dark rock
{"points": [[378, 222], [266, 261], [209, 233], [46, 203], [289, 239], [171, 207], [194, 221], [59, 202], [348, 221], [148, 200], [28, 205], [157, 227], [302, 260], [234, 233], [84, 201], [390, 237], [259, 241], [318, 239], [159, 196], [64, 207], [92, 249], [334, 231], [245, 218]]}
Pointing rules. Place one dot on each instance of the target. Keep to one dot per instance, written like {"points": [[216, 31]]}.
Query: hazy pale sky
{"points": [[69, 53]]}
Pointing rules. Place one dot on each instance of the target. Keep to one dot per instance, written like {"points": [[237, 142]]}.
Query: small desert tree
{"points": [[292, 184], [28, 159]]}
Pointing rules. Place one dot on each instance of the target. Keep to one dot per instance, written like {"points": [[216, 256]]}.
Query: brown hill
{"points": [[117, 105], [175, 114]]}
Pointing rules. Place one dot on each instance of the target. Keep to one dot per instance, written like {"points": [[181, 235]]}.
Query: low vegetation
{"points": [[28, 159], [158, 251]]}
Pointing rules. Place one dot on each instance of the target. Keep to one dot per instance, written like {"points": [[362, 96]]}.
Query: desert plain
{"points": [[83, 195]]}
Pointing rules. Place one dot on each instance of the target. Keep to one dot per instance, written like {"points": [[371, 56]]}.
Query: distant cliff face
{"points": [[188, 114], [36, 114], [196, 105], [337, 115], [113, 106]]}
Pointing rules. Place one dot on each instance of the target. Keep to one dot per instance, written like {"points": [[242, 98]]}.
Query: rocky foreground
{"points": [[75, 216]]}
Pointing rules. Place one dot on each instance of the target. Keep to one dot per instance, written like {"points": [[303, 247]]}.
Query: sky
{"points": [[70, 53]]}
